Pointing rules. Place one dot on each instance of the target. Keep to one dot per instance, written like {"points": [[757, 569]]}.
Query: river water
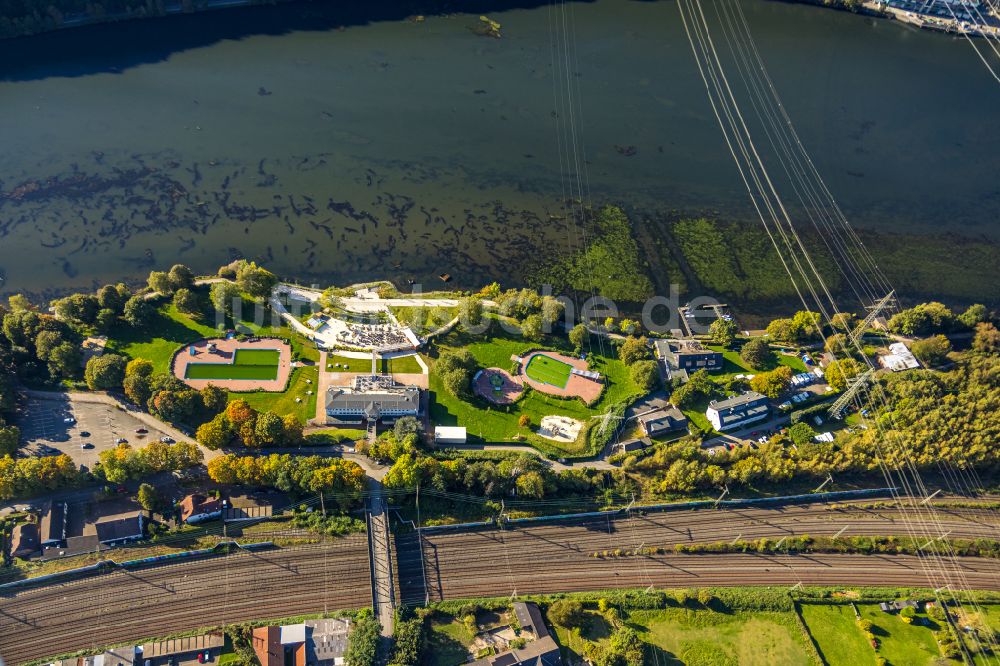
{"points": [[342, 144]]}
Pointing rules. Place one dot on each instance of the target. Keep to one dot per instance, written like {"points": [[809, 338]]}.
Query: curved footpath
{"points": [[530, 558]]}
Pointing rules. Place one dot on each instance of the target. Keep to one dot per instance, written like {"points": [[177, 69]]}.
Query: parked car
{"points": [[167, 440], [84, 434], [141, 431], [69, 419], [121, 440], [86, 445]]}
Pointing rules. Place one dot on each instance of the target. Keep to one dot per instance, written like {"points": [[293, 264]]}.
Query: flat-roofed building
{"points": [[449, 435], [663, 421], [738, 411], [372, 398], [682, 357], [181, 646], [121, 529], [899, 358]]}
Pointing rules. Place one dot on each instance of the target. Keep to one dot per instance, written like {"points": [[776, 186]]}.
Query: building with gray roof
{"points": [[738, 411]]}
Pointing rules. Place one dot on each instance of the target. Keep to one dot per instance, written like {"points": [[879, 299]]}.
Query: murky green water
{"points": [[411, 149]]}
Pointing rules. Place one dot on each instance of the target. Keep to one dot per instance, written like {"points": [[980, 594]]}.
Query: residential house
{"points": [[117, 530], [663, 421], [197, 508], [311, 643], [24, 540], [738, 411], [540, 650], [52, 525], [247, 508], [681, 357]]}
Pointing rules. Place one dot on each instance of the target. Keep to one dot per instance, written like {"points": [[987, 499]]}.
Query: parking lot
{"points": [[45, 432]]}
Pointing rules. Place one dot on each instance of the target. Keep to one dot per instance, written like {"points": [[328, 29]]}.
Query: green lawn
{"points": [[732, 364], [402, 365], [901, 643], [247, 364], [334, 436], [399, 364], [548, 370], [493, 424], [837, 634], [284, 403], [171, 329], [686, 636], [448, 643], [352, 364]]}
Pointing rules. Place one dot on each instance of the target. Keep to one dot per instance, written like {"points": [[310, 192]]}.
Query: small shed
{"points": [[449, 435]]}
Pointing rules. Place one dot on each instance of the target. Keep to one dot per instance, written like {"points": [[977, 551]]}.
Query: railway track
{"points": [[537, 558], [123, 606]]}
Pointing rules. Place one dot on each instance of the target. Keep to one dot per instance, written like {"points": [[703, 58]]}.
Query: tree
{"points": [[757, 353], [723, 331], [240, 413], [105, 372], [634, 350], [923, 319], [213, 398], [81, 308], [552, 311], [524, 421], [159, 282], [975, 314], [64, 360], [801, 433], [293, 430], [806, 324], [837, 344], [9, 438], [105, 320], [362, 648], [645, 375], [841, 370], [455, 370], [578, 337], [531, 327], [773, 383], [113, 297], [406, 426], [223, 295], [140, 367], [531, 485], [408, 641], [215, 434], [470, 311], [180, 277], [148, 498], [932, 351], [186, 301], [782, 330], [138, 388], [628, 326], [987, 338], [254, 280], [843, 321], [138, 312], [269, 430], [626, 646], [45, 342], [705, 596], [567, 613]]}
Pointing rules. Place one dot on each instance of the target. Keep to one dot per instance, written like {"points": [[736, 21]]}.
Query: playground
{"points": [[235, 365], [497, 386], [559, 375]]}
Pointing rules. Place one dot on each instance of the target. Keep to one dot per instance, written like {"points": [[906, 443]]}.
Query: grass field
{"points": [[398, 364], [677, 636], [548, 370], [448, 643], [247, 364], [303, 379], [837, 635], [500, 424]]}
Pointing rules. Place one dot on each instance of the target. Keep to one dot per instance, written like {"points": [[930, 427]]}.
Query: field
{"points": [[399, 364], [247, 364], [732, 364], [676, 636], [836, 633], [548, 370], [499, 424], [283, 404]]}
